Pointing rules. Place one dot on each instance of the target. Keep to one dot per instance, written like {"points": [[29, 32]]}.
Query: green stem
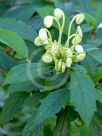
{"points": [[58, 26], [67, 42], [69, 31], [61, 32]]}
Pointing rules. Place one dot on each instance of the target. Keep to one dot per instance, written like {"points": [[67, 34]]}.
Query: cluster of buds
{"points": [[62, 55]]}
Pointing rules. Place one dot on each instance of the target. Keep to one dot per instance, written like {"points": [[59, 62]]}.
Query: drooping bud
{"points": [[38, 41], [43, 34], [69, 62], [80, 18], [79, 31], [47, 58], [81, 56], [58, 13], [76, 40], [48, 21], [79, 49]]}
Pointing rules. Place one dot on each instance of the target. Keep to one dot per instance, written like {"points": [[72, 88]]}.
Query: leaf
{"points": [[62, 125], [20, 12], [83, 95], [89, 18], [25, 31], [12, 106], [25, 72], [14, 41], [6, 62], [49, 106], [96, 54]]}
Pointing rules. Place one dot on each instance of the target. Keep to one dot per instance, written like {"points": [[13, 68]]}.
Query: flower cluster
{"points": [[63, 55]]}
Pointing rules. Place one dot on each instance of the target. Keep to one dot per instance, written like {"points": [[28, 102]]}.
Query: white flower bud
{"points": [[58, 13], [81, 56], [68, 52], [55, 48], [69, 62], [79, 31], [80, 18], [76, 40], [43, 35], [79, 49], [48, 21], [63, 67], [47, 58], [38, 41]]}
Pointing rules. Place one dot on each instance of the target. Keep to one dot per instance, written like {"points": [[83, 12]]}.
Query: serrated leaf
{"points": [[12, 106], [62, 124], [83, 95], [25, 72], [89, 18], [25, 31], [14, 41], [96, 54], [49, 106]]}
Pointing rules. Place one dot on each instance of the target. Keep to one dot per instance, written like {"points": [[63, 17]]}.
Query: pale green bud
{"points": [[79, 31], [55, 49], [43, 35], [81, 56], [76, 40], [63, 67], [80, 18], [38, 41], [59, 64], [68, 52], [79, 49], [69, 62], [58, 13], [47, 58], [48, 21]]}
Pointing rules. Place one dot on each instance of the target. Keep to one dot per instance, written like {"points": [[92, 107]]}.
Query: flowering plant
{"points": [[62, 54]]}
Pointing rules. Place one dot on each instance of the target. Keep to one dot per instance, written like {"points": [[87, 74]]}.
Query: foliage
{"points": [[35, 100]]}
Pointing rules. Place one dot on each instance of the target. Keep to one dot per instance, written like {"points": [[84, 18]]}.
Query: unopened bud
{"points": [[63, 67], [38, 41], [80, 18], [79, 31], [58, 13], [55, 48], [79, 49], [81, 56], [68, 52], [48, 21], [47, 58], [43, 35], [69, 62], [59, 65], [76, 40]]}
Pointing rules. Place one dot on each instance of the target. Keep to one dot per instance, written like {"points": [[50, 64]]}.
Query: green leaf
{"points": [[90, 19], [25, 72], [83, 95], [12, 106], [49, 106], [98, 74], [20, 12], [14, 41], [62, 124], [25, 31], [96, 54]]}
